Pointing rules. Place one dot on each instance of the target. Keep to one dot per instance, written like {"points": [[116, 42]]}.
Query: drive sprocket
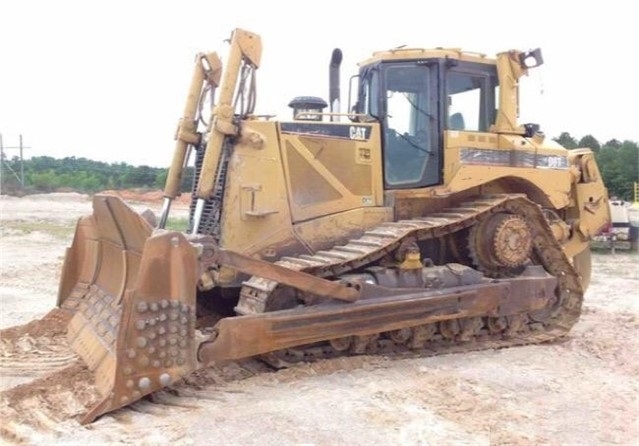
{"points": [[501, 244]]}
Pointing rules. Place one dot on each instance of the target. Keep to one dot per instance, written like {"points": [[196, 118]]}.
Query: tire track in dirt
{"points": [[49, 406], [33, 349]]}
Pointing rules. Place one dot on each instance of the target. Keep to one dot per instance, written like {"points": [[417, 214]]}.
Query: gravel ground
{"points": [[582, 390]]}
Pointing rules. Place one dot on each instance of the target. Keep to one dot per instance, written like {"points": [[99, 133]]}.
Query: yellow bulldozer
{"points": [[423, 217]]}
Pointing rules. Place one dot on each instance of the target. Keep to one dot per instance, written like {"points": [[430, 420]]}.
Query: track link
{"points": [[461, 335]]}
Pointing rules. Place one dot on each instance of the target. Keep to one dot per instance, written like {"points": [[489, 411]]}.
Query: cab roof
{"points": [[423, 53]]}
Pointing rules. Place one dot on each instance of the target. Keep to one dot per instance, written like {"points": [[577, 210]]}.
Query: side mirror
{"points": [[531, 59], [353, 116]]}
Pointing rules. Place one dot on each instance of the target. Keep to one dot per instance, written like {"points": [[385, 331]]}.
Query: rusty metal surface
{"points": [[245, 336], [134, 304], [500, 243], [105, 251], [296, 279]]}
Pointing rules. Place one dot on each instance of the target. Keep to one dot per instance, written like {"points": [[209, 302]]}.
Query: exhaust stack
{"points": [[334, 92]]}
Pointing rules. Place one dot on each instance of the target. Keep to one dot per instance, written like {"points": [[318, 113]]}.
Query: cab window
{"points": [[410, 143], [471, 101]]}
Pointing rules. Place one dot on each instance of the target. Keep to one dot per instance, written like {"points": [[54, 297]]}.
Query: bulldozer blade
{"points": [[133, 294], [105, 252]]}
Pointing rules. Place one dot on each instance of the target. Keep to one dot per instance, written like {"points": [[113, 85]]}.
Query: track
{"points": [[463, 335]]}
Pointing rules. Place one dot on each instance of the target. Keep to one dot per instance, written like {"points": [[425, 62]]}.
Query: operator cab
{"points": [[417, 95]]}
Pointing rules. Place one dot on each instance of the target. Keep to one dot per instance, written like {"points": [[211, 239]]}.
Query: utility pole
{"points": [[4, 161], [21, 164]]}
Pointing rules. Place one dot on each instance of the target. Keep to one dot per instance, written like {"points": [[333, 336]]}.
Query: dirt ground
{"points": [[580, 391]]}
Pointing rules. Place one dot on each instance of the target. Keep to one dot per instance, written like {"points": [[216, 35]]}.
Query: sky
{"points": [[106, 80]]}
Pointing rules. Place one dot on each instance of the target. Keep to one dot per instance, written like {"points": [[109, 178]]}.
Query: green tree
{"points": [[141, 176], [566, 141], [45, 181], [44, 173], [613, 144], [590, 142], [619, 166], [160, 178], [187, 179]]}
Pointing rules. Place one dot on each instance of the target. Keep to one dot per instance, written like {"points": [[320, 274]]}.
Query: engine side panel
{"points": [[331, 167]]}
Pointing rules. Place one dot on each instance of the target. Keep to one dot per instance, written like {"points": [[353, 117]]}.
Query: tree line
{"points": [[47, 174], [618, 162]]}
